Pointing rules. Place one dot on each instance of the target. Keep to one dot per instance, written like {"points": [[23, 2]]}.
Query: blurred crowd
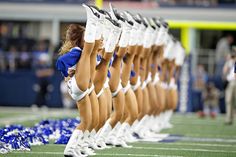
{"points": [[190, 3], [24, 55], [207, 95]]}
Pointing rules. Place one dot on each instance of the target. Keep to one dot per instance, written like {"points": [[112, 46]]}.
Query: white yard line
{"points": [[180, 144], [137, 155], [201, 144], [47, 153], [211, 136], [187, 138], [184, 149]]}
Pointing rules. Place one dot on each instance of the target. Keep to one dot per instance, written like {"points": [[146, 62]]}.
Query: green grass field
{"points": [[193, 137]]}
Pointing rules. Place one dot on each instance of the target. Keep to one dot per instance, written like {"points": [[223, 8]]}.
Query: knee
{"points": [[85, 121], [134, 116], [83, 85], [118, 115], [95, 120], [102, 119]]}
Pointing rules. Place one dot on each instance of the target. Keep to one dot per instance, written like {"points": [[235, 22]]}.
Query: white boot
{"points": [[120, 141], [125, 35], [113, 12], [103, 132], [156, 126], [167, 124], [137, 126], [111, 138], [92, 140], [70, 150], [128, 136], [134, 36], [115, 30], [91, 24], [85, 143], [100, 144]]}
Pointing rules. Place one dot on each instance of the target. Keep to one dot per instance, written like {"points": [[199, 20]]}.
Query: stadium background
{"points": [[29, 27], [29, 23]]}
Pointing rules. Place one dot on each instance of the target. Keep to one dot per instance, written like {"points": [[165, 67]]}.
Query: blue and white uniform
{"points": [[69, 61]]}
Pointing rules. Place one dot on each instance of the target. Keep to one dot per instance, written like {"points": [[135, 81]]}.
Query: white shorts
{"points": [[100, 92], [117, 90], [126, 88], [138, 83], [74, 91], [106, 84], [156, 79], [90, 89], [149, 78]]}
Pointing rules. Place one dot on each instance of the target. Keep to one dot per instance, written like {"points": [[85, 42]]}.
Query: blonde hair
{"points": [[74, 37]]}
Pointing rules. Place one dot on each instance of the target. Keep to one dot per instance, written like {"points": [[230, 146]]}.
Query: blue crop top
{"points": [[68, 60]]}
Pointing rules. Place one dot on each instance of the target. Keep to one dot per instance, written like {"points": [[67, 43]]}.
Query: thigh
{"points": [[94, 105], [102, 106], [131, 102], [139, 97]]}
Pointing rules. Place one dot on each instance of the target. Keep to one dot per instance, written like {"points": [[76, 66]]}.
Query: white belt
{"points": [[106, 84], [100, 93], [156, 79], [138, 83], [126, 88], [117, 90], [90, 89]]}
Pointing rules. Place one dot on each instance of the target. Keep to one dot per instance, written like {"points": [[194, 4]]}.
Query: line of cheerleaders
{"points": [[120, 69]]}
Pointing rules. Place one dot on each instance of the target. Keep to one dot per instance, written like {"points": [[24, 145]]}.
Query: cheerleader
{"points": [[74, 64], [139, 129], [110, 32], [115, 83], [112, 127]]}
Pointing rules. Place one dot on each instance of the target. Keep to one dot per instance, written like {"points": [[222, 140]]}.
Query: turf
{"points": [[195, 138]]}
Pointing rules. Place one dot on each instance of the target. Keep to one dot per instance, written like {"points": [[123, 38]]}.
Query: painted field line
{"points": [[105, 154], [212, 136], [184, 149], [180, 144], [201, 144], [138, 155], [187, 138], [47, 153]]}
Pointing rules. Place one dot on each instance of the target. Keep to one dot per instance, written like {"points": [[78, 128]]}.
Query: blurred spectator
{"points": [[222, 51], [43, 73], [234, 49], [24, 60], [12, 56], [67, 101], [211, 100], [2, 60], [200, 79], [41, 48], [230, 92]]}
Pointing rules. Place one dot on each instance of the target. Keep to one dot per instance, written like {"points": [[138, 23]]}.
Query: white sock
{"points": [[134, 125], [105, 130], [121, 130], [115, 129], [76, 135]]}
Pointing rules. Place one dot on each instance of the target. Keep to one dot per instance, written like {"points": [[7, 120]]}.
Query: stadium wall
{"points": [[23, 93]]}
